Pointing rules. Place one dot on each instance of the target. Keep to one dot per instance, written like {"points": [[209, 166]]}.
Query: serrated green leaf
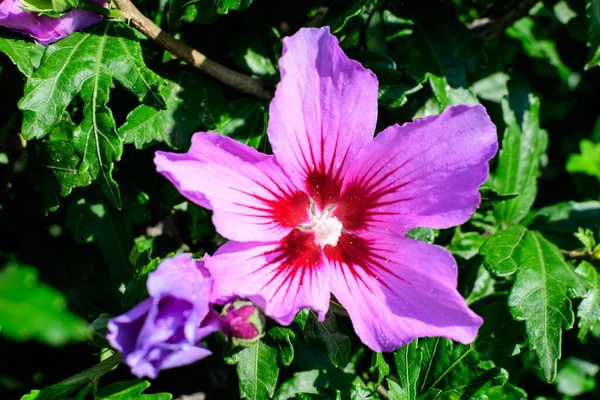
{"points": [[523, 144], [408, 363], [29, 309], [129, 390], [192, 101], [18, 50], [589, 308], [539, 294], [244, 120], [379, 363], [85, 63], [257, 371], [593, 39], [327, 334], [283, 340], [455, 371]]}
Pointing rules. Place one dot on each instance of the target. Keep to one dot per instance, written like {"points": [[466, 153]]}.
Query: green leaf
{"points": [[426, 235], [204, 11], [283, 339], [340, 13], [442, 52], [129, 390], [85, 63], [576, 376], [383, 368], [29, 309], [506, 392], [558, 222], [257, 370], [224, 6], [455, 371], [537, 43], [91, 219], [18, 50], [588, 161], [593, 40], [327, 334], [301, 382], [589, 308], [408, 363], [539, 294], [523, 144], [192, 101], [244, 120]]}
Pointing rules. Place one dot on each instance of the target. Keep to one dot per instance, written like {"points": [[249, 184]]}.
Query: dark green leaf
{"points": [[18, 50], [383, 368], [244, 120], [224, 6], [129, 390], [301, 382], [283, 339], [589, 308], [593, 14], [329, 338], [518, 164], [539, 293], [408, 363], [257, 370], [192, 101], [29, 309], [85, 63], [426, 235], [537, 43], [91, 219], [341, 12]]}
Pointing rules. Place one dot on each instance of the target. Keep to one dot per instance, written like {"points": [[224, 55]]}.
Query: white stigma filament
{"points": [[327, 229]]}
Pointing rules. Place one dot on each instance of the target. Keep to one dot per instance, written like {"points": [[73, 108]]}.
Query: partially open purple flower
{"points": [[328, 213], [45, 30], [242, 323], [165, 330]]}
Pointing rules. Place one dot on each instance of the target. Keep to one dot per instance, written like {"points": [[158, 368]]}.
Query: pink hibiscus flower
{"points": [[328, 212]]}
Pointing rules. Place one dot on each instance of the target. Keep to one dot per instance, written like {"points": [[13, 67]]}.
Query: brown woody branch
{"points": [[191, 56]]}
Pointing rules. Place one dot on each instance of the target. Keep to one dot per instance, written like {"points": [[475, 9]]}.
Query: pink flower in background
{"points": [[328, 212], [44, 29], [165, 330]]}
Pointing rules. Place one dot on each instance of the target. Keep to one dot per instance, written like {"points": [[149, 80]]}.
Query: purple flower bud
{"points": [[165, 330], [242, 323], [44, 29]]}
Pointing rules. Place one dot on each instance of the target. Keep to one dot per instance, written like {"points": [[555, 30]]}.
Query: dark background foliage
{"points": [[427, 55]]}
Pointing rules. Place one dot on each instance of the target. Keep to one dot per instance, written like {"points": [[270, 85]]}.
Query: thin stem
{"points": [[94, 373], [192, 56]]}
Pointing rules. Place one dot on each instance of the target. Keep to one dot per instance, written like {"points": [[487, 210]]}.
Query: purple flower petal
{"points": [[282, 277], [251, 197], [421, 174], [396, 289], [323, 113], [165, 330], [45, 30]]}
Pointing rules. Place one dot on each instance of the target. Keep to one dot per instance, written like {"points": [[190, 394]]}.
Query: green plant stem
{"points": [[94, 373]]}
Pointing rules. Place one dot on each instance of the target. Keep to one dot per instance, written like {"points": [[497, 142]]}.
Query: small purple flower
{"points": [[165, 330], [242, 323], [44, 29], [328, 213]]}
